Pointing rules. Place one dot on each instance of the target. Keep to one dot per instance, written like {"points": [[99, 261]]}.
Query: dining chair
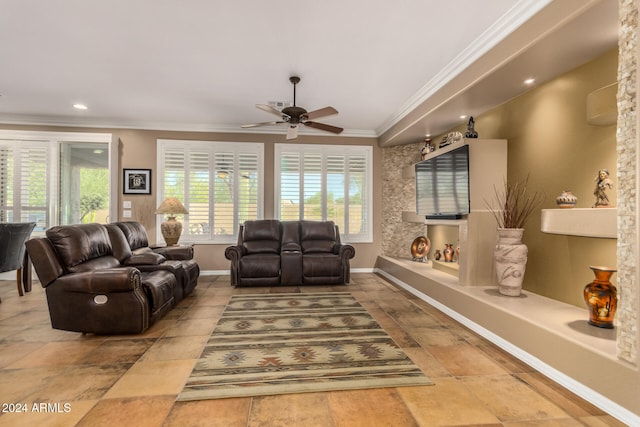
{"points": [[13, 235]]}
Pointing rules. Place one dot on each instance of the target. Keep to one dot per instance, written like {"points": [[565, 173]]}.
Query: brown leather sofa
{"points": [[89, 290], [272, 252], [131, 247]]}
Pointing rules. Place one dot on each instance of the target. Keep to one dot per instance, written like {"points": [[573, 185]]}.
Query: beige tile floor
{"points": [[134, 380]]}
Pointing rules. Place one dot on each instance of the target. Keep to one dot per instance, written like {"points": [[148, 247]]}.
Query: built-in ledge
{"points": [[408, 216], [586, 222], [553, 337]]}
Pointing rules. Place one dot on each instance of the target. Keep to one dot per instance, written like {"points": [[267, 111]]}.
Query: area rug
{"points": [[293, 343]]}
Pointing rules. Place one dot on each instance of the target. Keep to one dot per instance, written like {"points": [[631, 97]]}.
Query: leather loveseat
{"points": [[89, 290], [272, 252], [131, 247]]}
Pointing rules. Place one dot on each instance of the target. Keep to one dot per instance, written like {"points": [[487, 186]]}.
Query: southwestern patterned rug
{"points": [[292, 343]]}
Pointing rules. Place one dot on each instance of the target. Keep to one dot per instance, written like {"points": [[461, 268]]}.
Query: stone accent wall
{"points": [[627, 150], [398, 194]]}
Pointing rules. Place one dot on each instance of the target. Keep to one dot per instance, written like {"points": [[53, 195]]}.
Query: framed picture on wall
{"points": [[136, 181]]}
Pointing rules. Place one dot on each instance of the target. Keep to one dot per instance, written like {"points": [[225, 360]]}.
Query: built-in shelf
{"points": [[586, 222], [409, 216], [452, 268]]}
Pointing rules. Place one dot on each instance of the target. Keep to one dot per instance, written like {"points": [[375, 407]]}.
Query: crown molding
{"points": [[510, 21]]}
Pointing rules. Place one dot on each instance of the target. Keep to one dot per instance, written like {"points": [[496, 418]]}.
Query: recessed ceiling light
{"points": [[530, 81], [80, 106], [463, 116]]}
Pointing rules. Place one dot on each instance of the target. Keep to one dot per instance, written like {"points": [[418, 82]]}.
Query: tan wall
{"points": [[550, 140], [138, 150]]}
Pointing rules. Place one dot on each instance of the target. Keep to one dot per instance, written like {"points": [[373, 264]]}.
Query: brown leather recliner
{"points": [[131, 247], [87, 288], [255, 260], [271, 252], [324, 259]]}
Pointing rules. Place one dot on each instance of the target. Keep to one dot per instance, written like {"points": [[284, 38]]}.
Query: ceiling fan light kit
{"points": [[295, 116]]}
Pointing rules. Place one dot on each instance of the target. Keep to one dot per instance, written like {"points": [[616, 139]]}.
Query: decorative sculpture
{"points": [[603, 183], [471, 132], [428, 148]]}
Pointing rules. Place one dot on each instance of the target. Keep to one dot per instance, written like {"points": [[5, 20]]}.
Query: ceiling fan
{"points": [[295, 116]]}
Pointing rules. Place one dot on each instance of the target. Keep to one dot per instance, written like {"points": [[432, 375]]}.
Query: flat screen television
{"points": [[442, 185]]}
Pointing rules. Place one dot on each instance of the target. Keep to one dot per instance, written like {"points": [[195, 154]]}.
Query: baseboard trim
{"points": [[215, 272], [227, 272], [590, 395]]}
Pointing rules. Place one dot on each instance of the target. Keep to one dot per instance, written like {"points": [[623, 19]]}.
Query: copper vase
{"points": [[601, 298], [448, 252]]}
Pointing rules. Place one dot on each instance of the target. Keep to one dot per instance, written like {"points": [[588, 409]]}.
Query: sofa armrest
{"points": [[234, 253], [177, 253], [109, 280], [345, 251], [147, 258], [44, 259]]}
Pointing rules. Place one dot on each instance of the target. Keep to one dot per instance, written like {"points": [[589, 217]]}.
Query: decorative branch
{"points": [[515, 204]]}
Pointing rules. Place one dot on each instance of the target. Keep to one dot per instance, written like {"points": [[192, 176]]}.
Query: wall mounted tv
{"points": [[442, 185]]}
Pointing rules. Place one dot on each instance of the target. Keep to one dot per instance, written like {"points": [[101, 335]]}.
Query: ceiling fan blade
{"points": [[322, 112], [270, 109], [253, 125], [292, 132], [325, 127]]}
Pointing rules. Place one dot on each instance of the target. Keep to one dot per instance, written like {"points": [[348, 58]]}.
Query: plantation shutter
{"points": [[290, 190], [326, 182], [23, 182], [198, 222], [6, 184], [247, 187], [219, 183], [33, 184]]}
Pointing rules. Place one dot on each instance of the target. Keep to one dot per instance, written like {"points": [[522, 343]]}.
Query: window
{"points": [[48, 177], [326, 182], [220, 184], [23, 182]]}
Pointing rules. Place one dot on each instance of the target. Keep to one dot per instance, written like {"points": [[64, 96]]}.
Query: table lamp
{"points": [[171, 229]]}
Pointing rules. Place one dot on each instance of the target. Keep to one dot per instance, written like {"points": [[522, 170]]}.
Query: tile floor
{"points": [[86, 380]]}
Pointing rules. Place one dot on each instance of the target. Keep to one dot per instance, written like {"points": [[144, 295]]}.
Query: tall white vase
{"points": [[510, 257]]}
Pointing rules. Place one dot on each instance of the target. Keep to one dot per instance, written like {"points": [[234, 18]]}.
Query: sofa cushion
{"points": [[261, 237], [119, 243], [135, 234], [260, 265], [76, 244], [321, 265], [317, 236]]}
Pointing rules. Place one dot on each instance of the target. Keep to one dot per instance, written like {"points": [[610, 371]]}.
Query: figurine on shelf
{"points": [[471, 132], [428, 148], [450, 138], [603, 183]]}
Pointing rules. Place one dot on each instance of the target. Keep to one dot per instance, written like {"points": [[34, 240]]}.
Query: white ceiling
{"points": [[203, 64]]}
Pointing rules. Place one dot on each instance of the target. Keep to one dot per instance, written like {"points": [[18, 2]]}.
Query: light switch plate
{"points": [[126, 213], [126, 204]]}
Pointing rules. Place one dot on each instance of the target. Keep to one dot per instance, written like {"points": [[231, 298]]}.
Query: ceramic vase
{"points": [[448, 252], [566, 200], [601, 298], [510, 256], [437, 255]]}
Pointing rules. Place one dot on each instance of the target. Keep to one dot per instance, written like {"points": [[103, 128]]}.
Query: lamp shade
{"points": [[171, 206]]}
